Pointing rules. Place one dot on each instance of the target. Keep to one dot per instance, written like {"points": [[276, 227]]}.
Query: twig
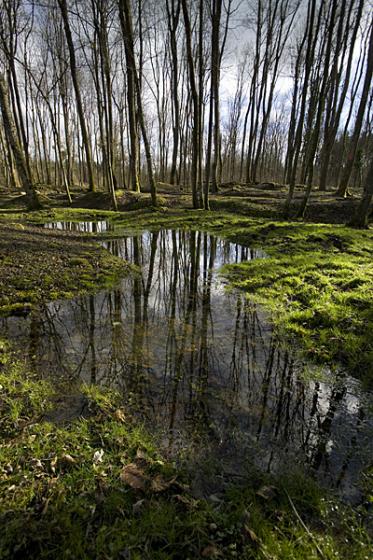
{"points": [[305, 526]]}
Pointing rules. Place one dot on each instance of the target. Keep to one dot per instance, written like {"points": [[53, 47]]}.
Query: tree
{"points": [[173, 16], [338, 88], [79, 104], [346, 174], [19, 156], [125, 12], [196, 131], [360, 219]]}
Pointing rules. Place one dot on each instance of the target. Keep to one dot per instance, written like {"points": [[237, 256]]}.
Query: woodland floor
{"points": [[96, 486], [265, 200]]}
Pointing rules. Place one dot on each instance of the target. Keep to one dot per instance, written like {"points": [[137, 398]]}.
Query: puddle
{"points": [[82, 227], [202, 365]]}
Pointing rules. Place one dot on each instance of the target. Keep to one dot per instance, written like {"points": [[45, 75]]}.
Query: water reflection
{"points": [[81, 227], [200, 363]]}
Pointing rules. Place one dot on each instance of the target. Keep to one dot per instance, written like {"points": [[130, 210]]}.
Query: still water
{"points": [[81, 227], [201, 365]]}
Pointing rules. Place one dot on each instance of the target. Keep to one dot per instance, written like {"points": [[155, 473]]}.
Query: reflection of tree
{"points": [[188, 339], [208, 263], [320, 453], [92, 324], [137, 336], [236, 359], [35, 337], [188, 306], [353, 447], [141, 289]]}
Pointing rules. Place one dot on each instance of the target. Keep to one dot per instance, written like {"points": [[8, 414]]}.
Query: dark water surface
{"points": [[202, 365]]}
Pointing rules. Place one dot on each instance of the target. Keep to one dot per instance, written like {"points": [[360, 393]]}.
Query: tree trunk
{"points": [[361, 216], [79, 104], [127, 30], [173, 21], [359, 120], [195, 99], [134, 181], [19, 157], [215, 83]]}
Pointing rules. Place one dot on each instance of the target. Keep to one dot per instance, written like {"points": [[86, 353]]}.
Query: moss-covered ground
{"points": [[96, 486]]}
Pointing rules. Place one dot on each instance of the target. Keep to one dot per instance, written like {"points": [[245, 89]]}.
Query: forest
{"points": [[186, 302]]}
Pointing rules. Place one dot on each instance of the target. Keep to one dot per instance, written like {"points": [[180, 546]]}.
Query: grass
{"points": [[66, 492]]}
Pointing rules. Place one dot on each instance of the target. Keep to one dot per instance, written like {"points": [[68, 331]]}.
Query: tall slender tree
{"points": [[79, 103]]}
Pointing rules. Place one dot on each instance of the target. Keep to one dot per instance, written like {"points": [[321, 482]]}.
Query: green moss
{"points": [[309, 299]]}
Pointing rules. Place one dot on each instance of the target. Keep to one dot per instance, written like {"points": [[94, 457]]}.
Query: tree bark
{"points": [[195, 98], [361, 216], [173, 13]]}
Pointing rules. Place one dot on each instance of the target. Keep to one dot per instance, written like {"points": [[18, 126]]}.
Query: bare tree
{"points": [[196, 136], [125, 12], [79, 104], [359, 119], [360, 218], [19, 156]]}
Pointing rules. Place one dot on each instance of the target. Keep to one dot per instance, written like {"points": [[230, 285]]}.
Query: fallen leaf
{"points": [[251, 534], [267, 492], [246, 516], [98, 456], [37, 463], [210, 551], [46, 505], [54, 464], [119, 415], [142, 455], [183, 499], [52, 481], [67, 459], [133, 476], [137, 507], [214, 499], [159, 484]]}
